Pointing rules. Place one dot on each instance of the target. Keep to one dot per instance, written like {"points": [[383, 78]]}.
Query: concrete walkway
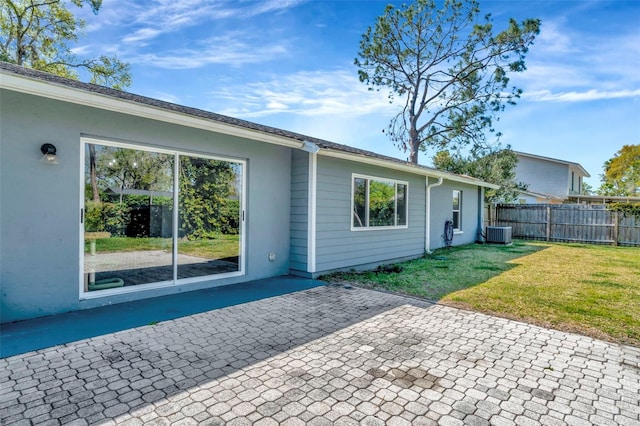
{"points": [[327, 355]]}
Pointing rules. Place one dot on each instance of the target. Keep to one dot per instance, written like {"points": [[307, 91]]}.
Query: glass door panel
{"points": [[209, 217], [128, 217]]}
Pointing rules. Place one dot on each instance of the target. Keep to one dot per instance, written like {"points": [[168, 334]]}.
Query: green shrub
{"points": [[106, 217], [627, 209]]}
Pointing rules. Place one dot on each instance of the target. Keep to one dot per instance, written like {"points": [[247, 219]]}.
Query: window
{"points": [[457, 209], [579, 184], [378, 203]]}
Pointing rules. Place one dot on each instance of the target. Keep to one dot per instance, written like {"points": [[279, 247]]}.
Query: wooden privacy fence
{"points": [[593, 224]]}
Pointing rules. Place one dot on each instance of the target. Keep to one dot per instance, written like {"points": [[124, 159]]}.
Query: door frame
{"points": [[85, 294]]}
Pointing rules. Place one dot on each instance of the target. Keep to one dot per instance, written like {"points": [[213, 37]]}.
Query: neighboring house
{"points": [[290, 204], [549, 180]]}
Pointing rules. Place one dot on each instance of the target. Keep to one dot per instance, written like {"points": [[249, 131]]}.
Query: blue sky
{"points": [[289, 64]]}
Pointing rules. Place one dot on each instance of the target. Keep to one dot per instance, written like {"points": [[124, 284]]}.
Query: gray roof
{"points": [[219, 118]]}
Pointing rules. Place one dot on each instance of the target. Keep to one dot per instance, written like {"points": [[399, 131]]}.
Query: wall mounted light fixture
{"points": [[49, 154]]}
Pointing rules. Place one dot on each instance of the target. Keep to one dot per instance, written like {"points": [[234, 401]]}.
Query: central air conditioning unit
{"points": [[499, 234]]}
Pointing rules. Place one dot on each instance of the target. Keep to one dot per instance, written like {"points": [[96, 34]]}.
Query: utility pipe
{"points": [[481, 215], [427, 228]]}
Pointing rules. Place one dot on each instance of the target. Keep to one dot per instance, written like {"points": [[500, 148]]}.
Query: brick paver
{"points": [[329, 355]]}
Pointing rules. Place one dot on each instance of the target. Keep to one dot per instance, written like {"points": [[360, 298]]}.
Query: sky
{"points": [[289, 64]]}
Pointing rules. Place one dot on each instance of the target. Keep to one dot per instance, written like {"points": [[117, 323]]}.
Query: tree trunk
{"points": [[93, 173], [413, 155], [414, 145]]}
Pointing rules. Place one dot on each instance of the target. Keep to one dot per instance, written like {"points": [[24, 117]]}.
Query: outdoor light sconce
{"points": [[49, 154]]}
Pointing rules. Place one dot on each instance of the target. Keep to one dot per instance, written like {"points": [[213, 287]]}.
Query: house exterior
{"points": [[144, 198], [549, 180]]}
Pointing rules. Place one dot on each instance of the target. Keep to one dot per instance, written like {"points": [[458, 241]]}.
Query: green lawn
{"points": [[593, 290], [222, 246]]}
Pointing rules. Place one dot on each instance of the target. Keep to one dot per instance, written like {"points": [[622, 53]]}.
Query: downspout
{"points": [[480, 214], [427, 227], [311, 213], [312, 149]]}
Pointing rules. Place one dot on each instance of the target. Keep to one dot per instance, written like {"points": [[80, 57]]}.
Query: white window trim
{"points": [[378, 228], [84, 295], [457, 230]]}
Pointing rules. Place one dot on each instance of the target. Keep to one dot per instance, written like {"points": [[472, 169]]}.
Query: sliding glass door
{"points": [[209, 216], [155, 216]]}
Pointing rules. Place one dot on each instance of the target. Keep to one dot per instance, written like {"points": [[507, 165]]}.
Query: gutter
{"points": [[405, 167], [427, 228]]}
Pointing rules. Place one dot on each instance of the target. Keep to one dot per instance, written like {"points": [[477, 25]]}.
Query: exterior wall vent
{"points": [[499, 234]]}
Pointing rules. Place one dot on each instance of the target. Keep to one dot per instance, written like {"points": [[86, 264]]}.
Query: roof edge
{"points": [[408, 168], [39, 83], [543, 195], [86, 94]]}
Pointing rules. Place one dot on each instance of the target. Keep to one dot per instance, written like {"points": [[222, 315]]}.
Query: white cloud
{"points": [[553, 39], [230, 49], [276, 106], [158, 17], [580, 66], [590, 95], [164, 96], [308, 93], [273, 6], [81, 50], [544, 75], [141, 34]]}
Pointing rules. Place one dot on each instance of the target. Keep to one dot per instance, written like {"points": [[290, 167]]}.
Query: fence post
{"points": [[616, 228], [493, 213], [548, 222]]}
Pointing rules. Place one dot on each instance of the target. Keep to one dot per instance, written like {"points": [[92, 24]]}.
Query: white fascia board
{"points": [[581, 171], [407, 168], [95, 100]]}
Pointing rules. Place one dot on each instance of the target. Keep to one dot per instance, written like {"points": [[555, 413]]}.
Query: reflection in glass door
{"points": [[209, 216], [128, 224], [152, 217]]}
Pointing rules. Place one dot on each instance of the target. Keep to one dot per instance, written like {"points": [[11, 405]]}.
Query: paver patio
{"points": [[328, 355]]}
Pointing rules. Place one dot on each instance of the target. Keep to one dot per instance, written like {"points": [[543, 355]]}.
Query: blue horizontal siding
{"points": [[299, 211], [337, 246]]}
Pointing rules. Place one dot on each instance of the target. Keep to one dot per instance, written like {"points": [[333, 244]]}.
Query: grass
{"points": [[222, 246], [588, 289], [446, 271]]}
